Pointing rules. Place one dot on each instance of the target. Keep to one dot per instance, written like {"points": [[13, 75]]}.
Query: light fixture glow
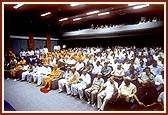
{"points": [[63, 19], [93, 12], [131, 4], [74, 4], [18, 5], [104, 13], [45, 14], [77, 19], [140, 6]]}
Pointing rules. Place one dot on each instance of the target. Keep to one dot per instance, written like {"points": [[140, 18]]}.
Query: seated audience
{"points": [[126, 91], [62, 82], [146, 76], [74, 77], [106, 70], [43, 71], [118, 74], [92, 91], [56, 73], [106, 92], [84, 80], [146, 97], [160, 100], [31, 75]]}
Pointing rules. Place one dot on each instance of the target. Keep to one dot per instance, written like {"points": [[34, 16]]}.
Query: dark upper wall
{"points": [[137, 40]]}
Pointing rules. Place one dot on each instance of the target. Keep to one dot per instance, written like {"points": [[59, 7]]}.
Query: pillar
{"points": [[48, 41], [31, 41]]}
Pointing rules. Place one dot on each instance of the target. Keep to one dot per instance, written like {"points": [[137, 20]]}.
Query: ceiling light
{"points": [[140, 6], [93, 12], [74, 4], [131, 4], [105, 13], [18, 5], [75, 19], [45, 14], [63, 19]]}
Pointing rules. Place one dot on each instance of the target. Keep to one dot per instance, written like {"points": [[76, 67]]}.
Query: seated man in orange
{"points": [[11, 55], [15, 71], [22, 61], [56, 73]]}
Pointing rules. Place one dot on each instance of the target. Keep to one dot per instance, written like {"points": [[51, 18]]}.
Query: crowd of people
{"points": [[105, 26], [119, 74]]}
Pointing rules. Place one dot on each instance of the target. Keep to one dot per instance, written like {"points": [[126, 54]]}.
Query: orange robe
{"points": [[54, 74], [17, 68]]}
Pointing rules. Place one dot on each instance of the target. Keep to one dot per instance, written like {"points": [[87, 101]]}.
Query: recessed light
{"points": [[140, 6], [45, 14], [63, 19], [93, 12], [18, 5], [104, 13], [77, 19]]}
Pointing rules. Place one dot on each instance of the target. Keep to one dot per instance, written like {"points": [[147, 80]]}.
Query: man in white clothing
{"points": [[79, 65], [45, 71], [97, 68], [126, 90], [74, 77], [62, 82], [118, 74], [146, 76], [92, 91], [84, 80], [33, 73], [26, 69], [106, 92]]}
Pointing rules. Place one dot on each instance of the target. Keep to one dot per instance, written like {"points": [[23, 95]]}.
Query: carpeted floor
{"points": [[23, 96]]}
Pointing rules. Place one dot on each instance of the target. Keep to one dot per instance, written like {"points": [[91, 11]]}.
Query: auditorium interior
{"points": [[64, 35]]}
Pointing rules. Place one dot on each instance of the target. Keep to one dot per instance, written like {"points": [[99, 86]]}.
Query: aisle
{"points": [[23, 96]]}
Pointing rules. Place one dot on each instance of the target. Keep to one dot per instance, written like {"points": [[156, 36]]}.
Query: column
{"points": [[48, 41], [31, 41]]}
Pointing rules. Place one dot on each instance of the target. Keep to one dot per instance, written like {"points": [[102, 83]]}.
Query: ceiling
{"points": [[28, 17]]}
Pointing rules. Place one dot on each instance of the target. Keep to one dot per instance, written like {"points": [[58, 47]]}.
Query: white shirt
{"points": [[22, 53], [118, 72], [45, 50], [97, 69], [67, 75], [129, 90], [159, 80], [79, 65], [155, 70], [86, 79], [161, 97], [35, 69], [143, 77], [71, 61], [97, 83], [31, 53], [44, 70], [110, 87], [25, 67]]}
